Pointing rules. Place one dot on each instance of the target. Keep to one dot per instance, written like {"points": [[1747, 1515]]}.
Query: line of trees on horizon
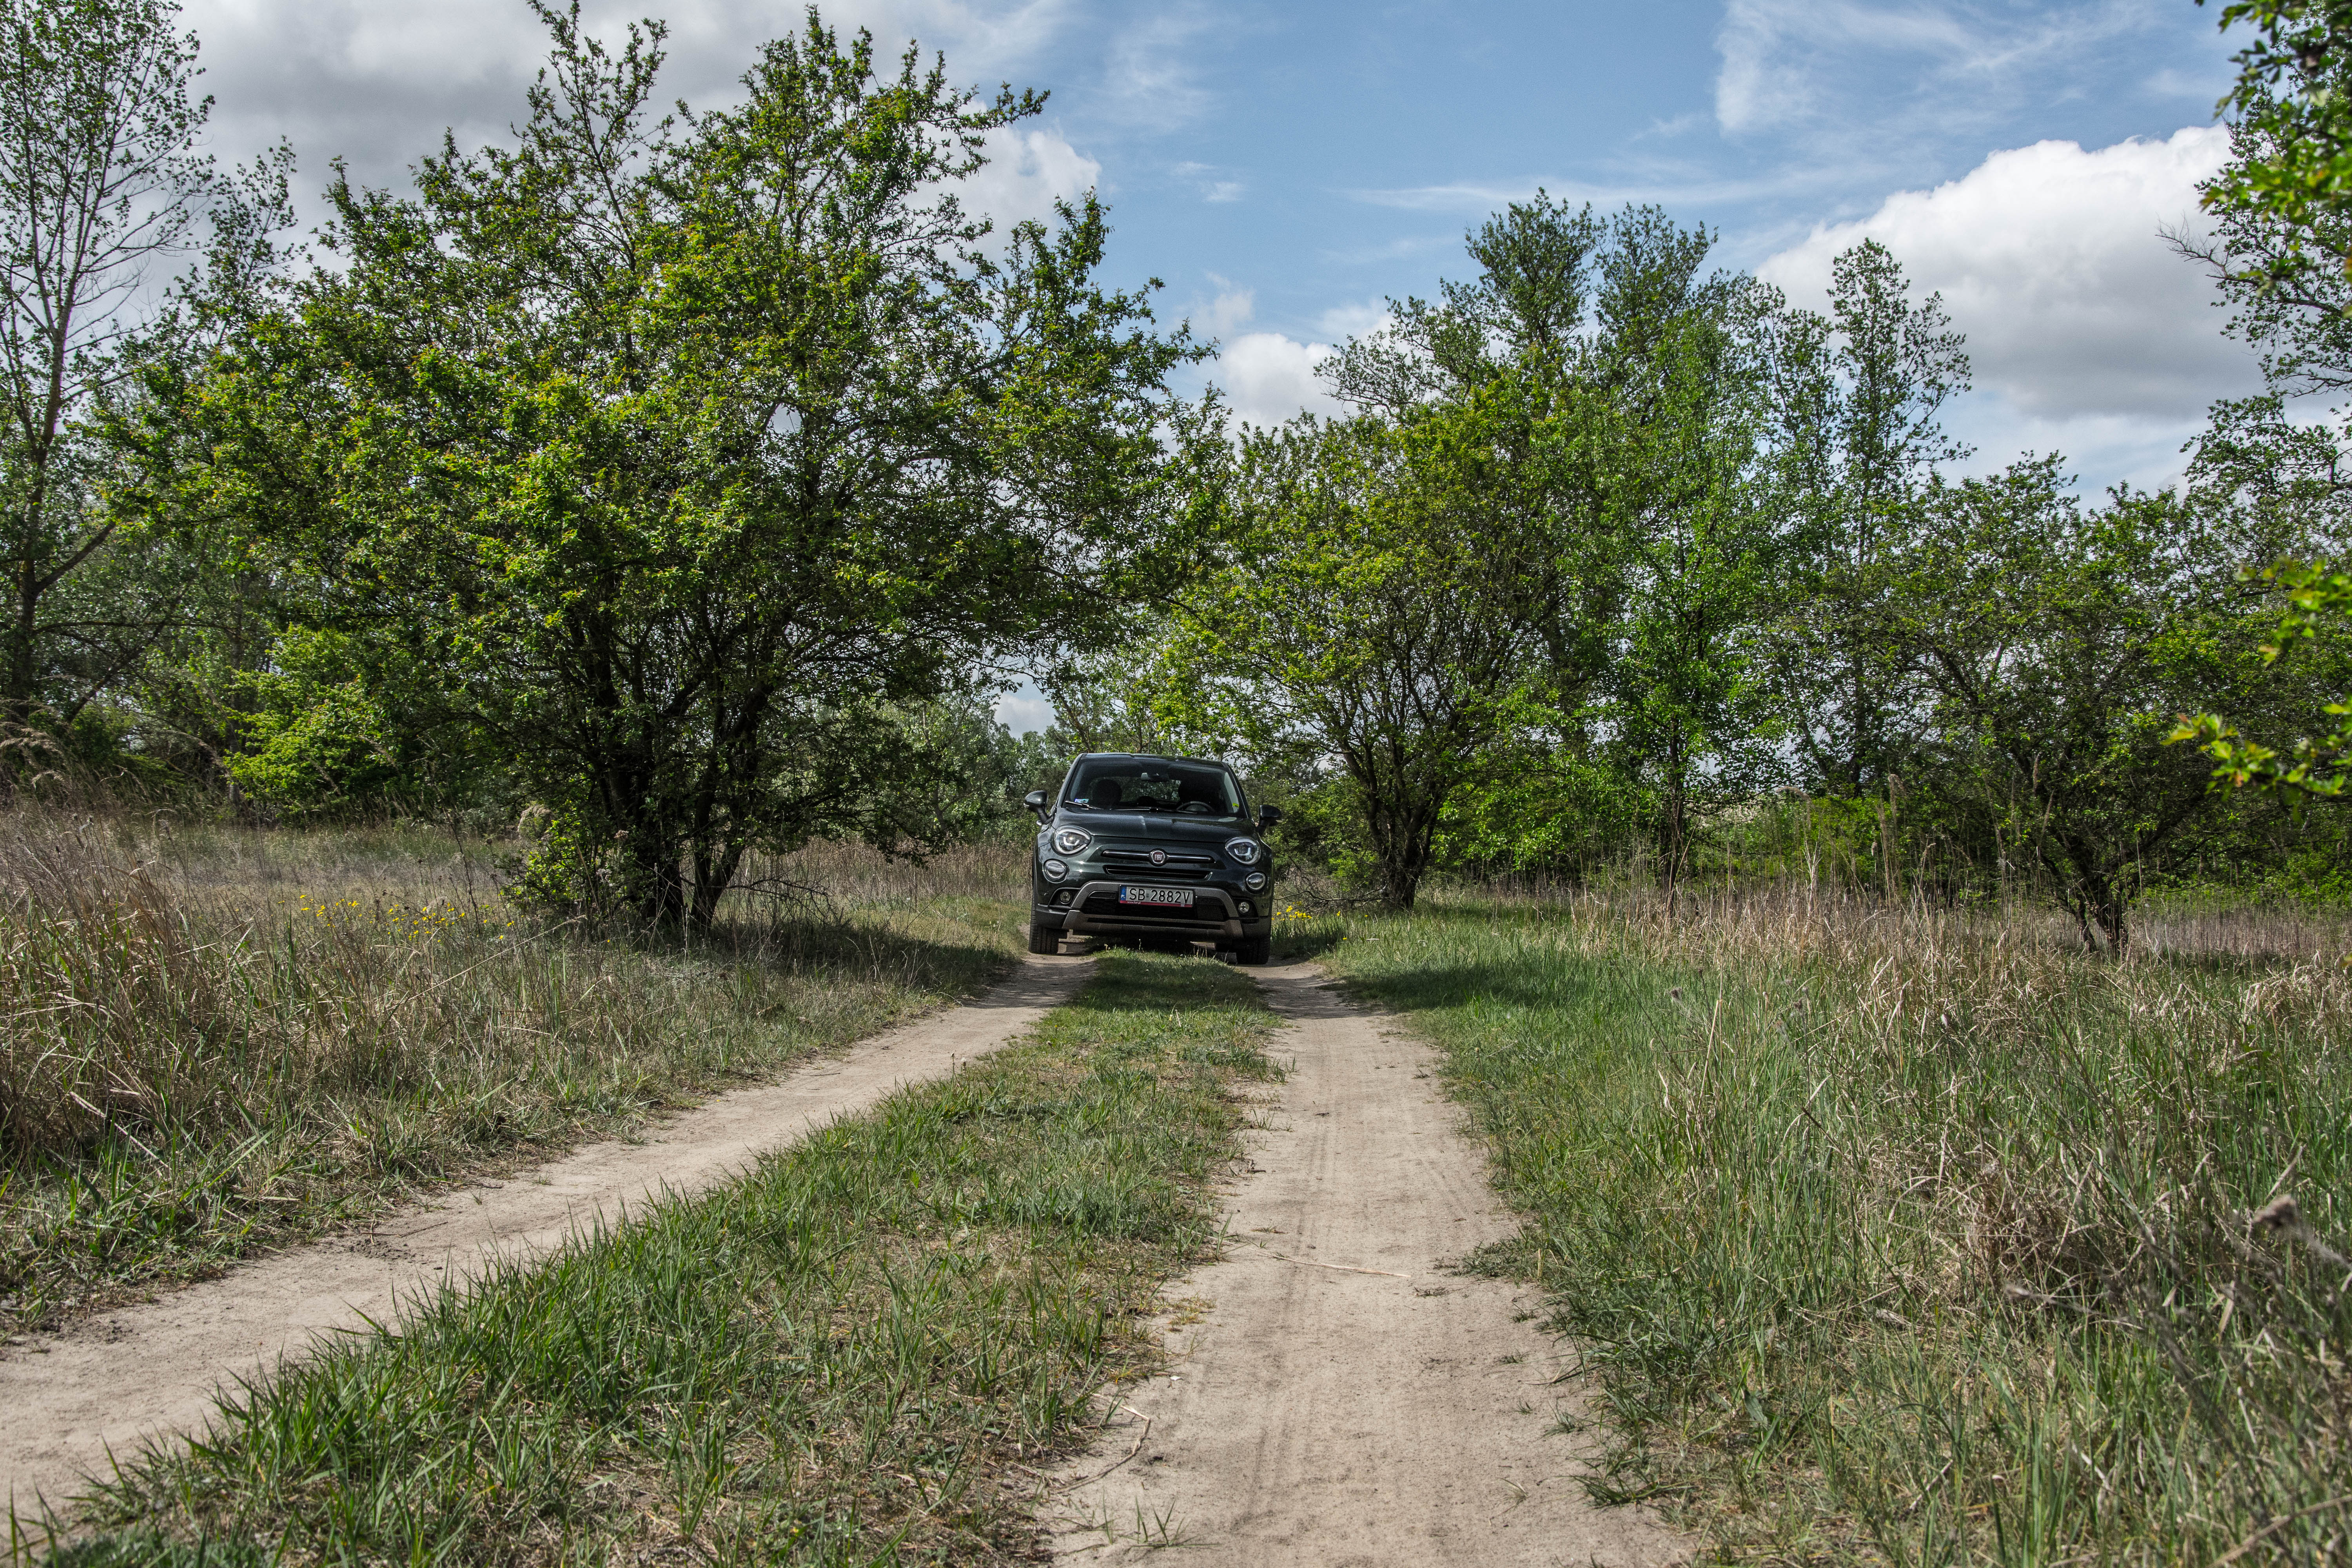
{"points": [[692, 479]]}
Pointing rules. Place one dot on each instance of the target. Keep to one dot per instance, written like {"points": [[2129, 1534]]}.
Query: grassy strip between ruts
{"points": [[852, 1354], [1903, 1239]]}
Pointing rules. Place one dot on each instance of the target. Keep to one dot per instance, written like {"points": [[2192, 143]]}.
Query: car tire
{"points": [[1254, 949], [1045, 938]]}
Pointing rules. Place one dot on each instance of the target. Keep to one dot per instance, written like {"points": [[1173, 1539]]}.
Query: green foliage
{"points": [[2058, 644], [1855, 394], [2289, 93], [690, 459], [2317, 601], [1379, 607], [1546, 531], [1676, 453], [102, 189], [1543, 810], [2285, 208]]}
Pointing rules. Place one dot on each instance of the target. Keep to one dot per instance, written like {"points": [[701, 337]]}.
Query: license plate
{"points": [[1167, 898]]}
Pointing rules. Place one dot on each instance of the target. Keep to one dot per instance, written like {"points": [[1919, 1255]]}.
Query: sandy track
{"points": [[125, 1376], [1343, 1398]]}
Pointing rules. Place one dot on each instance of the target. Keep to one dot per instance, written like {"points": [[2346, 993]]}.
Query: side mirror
{"points": [[1035, 802], [1268, 815]]}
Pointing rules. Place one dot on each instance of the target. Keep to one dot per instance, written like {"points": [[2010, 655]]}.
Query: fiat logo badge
{"points": [[1159, 857]]}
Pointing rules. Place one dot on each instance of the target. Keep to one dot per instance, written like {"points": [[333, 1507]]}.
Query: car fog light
{"points": [[1254, 882], [1063, 899], [1248, 908], [1056, 869]]}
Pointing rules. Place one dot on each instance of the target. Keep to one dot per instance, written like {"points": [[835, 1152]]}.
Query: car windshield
{"points": [[1151, 784]]}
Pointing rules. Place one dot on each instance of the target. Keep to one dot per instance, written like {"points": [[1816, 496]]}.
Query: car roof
{"points": [[1149, 757]]}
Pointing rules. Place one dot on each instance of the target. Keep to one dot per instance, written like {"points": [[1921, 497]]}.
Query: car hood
{"points": [[1154, 828]]}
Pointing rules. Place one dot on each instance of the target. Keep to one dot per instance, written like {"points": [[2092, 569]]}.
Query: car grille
{"points": [[1140, 860]]}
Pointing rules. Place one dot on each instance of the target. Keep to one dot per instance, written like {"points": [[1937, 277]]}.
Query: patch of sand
{"points": [[1337, 1395]]}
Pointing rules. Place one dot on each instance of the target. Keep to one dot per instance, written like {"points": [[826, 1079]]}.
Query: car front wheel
{"points": [[1254, 949], [1045, 938]]}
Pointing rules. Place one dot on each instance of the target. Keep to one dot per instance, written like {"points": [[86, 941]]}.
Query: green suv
{"points": [[1152, 846]]}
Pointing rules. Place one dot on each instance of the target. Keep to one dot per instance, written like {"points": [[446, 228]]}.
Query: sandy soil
{"points": [[1337, 1396], [127, 1376]]}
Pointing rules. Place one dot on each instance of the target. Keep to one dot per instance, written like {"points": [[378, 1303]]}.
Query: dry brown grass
{"points": [[213, 1039]]}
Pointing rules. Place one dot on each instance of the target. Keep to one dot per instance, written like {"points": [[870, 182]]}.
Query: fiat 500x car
{"points": [[1152, 846]]}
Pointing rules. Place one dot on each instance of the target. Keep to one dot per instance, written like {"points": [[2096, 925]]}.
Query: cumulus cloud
{"points": [[1028, 172], [2048, 258], [377, 84], [1341, 322], [1024, 709], [1231, 308], [1267, 377]]}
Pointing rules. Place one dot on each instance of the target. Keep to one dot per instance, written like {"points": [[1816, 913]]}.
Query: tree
{"points": [[2288, 97], [1858, 392], [1380, 610], [2056, 641], [1674, 382], [2279, 256], [2318, 762], [101, 186], [692, 458]]}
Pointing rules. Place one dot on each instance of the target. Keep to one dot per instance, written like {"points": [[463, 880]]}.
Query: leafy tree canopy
{"points": [[690, 456]]}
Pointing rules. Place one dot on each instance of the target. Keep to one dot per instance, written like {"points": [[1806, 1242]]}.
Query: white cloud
{"points": [[1203, 178], [1770, 47], [1268, 377], [1027, 172], [1232, 307], [1788, 61], [1150, 80], [377, 83], [2048, 258], [1341, 322], [1024, 708]]}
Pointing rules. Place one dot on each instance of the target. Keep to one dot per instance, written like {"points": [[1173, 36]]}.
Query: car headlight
{"points": [[1070, 840], [1056, 870], [1245, 851], [1254, 882]]}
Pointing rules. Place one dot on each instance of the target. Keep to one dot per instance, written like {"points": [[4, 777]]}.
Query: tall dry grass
{"points": [[212, 1040], [1926, 1237]]}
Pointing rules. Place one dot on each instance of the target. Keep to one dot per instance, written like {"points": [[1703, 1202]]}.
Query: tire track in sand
{"points": [[1339, 1397], [123, 1378]]}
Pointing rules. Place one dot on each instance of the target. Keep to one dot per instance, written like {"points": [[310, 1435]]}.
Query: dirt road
{"points": [[118, 1379], [1338, 1396]]}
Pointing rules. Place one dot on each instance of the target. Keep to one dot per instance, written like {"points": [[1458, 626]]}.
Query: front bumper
{"points": [[1096, 911]]}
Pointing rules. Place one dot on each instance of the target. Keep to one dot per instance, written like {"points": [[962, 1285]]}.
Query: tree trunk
{"points": [[714, 873]]}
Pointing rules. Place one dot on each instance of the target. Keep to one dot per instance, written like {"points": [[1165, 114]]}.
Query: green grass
{"points": [[212, 1041], [1909, 1240], [861, 1351]]}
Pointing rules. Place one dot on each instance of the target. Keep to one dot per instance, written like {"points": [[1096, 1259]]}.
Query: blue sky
{"points": [[1284, 168]]}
